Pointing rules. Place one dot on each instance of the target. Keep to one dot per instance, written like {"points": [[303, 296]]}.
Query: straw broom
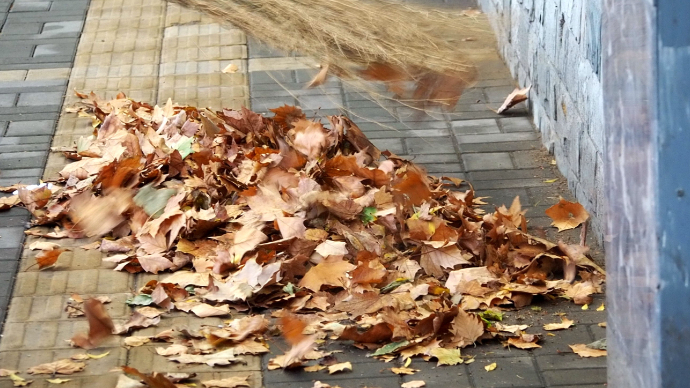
{"points": [[374, 39]]}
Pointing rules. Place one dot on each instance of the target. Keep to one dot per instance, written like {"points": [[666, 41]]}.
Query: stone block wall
{"points": [[555, 46]]}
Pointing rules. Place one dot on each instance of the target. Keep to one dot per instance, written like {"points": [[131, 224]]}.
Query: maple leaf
{"points": [[109, 208], [286, 115], [523, 341], [309, 138], [203, 310], [230, 382], [413, 384], [154, 380], [291, 227], [567, 215], [60, 367], [378, 333], [135, 341], [581, 292], [447, 356], [565, 323], [100, 325], [466, 328], [515, 97], [434, 260], [583, 351], [340, 367], [154, 263], [332, 273], [48, 258]]}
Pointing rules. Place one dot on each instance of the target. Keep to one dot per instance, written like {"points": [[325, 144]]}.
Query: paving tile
{"points": [[497, 137], [487, 161], [7, 100], [30, 128], [393, 145], [474, 127], [40, 99], [30, 6], [509, 372], [11, 237], [27, 159], [432, 145], [516, 124], [507, 146], [575, 376], [569, 361], [440, 376]]}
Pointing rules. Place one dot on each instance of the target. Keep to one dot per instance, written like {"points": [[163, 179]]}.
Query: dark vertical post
{"points": [[673, 63], [646, 57]]}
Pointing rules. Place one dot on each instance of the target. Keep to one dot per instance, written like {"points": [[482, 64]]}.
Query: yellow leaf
{"points": [[404, 371], [414, 384], [469, 360], [407, 362], [585, 307], [601, 308], [583, 351], [97, 356], [550, 180], [565, 323], [343, 366], [490, 367], [314, 368], [19, 381], [551, 334], [602, 324], [58, 381], [447, 356]]}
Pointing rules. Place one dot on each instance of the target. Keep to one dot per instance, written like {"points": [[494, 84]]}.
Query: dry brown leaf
{"points": [[320, 78], [341, 367], [404, 371], [230, 69], [43, 245], [515, 97], [583, 351], [466, 328], [565, 323], [134, 341], [48, 258], [434, 260], [333, 273], [567, 215], [100, 325], [60, 367], [413, 384], [230, 382], [524, 341], [581, 293], [203, 310], [7, 372]]}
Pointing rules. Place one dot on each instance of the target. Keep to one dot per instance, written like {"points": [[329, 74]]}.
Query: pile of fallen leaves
{"points": [[243, 213]]}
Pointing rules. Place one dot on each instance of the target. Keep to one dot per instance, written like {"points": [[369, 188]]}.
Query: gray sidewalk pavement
{"points": [[153, 51], [38, 41]]}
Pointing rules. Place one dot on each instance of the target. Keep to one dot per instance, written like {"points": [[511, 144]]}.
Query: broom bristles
{"points": [[351, 35]]}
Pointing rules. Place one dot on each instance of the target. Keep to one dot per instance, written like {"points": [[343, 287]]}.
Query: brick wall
{"points": [[555, 46]]}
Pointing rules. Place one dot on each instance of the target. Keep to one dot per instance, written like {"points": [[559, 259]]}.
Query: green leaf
{"points": [[536, 308], [368, 214], [140, 300], [392, 286], [153, 201], [289, 288], [190, 289], [184, 147], [390, 348], [490, 315]]}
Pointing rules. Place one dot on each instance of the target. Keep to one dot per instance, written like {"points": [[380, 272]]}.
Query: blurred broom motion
{"points": [[379, 40]]}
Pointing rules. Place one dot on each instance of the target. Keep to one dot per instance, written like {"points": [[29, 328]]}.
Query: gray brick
{"points": [[54, 49], [456, 376], [30, 6], [414, 133], [373, 114], [326, 101], [501, 146], [497, 137], [569, 361], [509, 372], [393, 145], [508, 184], [11, 237], [378, 382], [487, 161], [472, 127], [580, 376], [7, 100], [434, 158], [282, 92], [40, 99], [264, 104], [70, 5], [24, 148], [270, 77], [62, 29], [544, 174], [504, 197], [8, 254], [516, 124], [431, 146], [31, 128], [19, 140], [437, 168], [12, 160], [368, 126], [16, 28]]}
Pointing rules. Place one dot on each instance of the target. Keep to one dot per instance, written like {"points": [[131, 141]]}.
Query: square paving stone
{"points": [[516, 124], [393, 145], [569, 361], [370, 382], [29, 159], [474, 127], [429, 146], [30, 6], [497, 137], [7, 100], [456, 376], [66, 28], [575, 376], [577, 334], [487, 161], [40, 98], [509, 372], [55, 49], [11, 237]]}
